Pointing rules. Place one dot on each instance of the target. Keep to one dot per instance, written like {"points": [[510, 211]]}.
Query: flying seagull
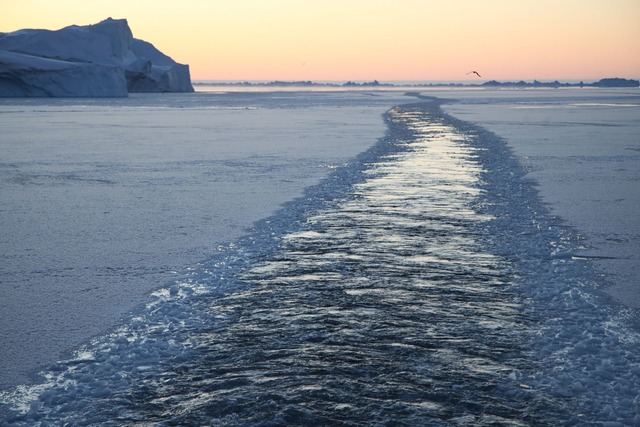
{"points": [[473, 72]]}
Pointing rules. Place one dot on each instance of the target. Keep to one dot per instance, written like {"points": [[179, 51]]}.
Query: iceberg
{"points": [[99, 60], [33, 76]]}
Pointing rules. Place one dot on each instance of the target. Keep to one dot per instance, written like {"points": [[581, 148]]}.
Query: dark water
{"points": [[423, 284]]}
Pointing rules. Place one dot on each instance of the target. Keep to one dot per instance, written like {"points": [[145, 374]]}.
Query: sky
{"points": [[363, 40]]}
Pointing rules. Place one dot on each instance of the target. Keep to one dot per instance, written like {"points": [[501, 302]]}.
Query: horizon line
{"points": [[376, 82]]}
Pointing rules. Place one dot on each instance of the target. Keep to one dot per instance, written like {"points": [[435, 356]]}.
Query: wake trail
{"points": [[424, 283]]}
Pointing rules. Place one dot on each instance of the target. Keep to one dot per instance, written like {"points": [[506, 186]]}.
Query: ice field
{"points": [[342, 257], [105, 200], [583, 152]]}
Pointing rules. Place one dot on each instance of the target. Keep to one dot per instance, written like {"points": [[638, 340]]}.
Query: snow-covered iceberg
{"points": [[93, 60]]}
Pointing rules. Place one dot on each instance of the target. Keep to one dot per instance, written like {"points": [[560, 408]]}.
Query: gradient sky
{"points": [[368, 39]]}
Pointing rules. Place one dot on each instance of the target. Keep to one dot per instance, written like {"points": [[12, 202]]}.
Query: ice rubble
{"points": [[93, 60]]}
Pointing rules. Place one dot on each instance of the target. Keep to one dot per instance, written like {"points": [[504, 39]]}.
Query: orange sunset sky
{"points": [[368, 39]]}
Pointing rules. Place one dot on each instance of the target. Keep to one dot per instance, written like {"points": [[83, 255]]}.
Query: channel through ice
{"points": [[423, 281]]}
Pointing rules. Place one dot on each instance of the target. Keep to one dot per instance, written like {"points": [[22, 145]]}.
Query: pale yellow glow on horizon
{"points": [[369, 39]]}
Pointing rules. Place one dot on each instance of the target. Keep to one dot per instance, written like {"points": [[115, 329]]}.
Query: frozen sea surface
{"points": [[104, 200], [583, 149], [424, 281]]}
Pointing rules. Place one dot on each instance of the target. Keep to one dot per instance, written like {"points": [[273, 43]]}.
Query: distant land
{"points": [[607, 82]]}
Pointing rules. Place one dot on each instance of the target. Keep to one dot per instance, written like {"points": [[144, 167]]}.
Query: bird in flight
{"points": [[474, 72]]}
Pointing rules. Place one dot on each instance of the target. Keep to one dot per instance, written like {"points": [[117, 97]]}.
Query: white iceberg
{"points": [[93, 60]]}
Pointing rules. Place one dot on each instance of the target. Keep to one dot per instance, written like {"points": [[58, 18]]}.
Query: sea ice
{"points": [[105, 200], [142, 187], [582, 148]]}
